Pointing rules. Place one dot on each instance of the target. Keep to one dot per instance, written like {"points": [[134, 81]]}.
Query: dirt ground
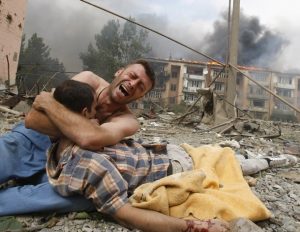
{"points": [[278, 188]]}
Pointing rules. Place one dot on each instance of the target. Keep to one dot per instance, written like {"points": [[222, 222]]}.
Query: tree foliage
{"points": [[115, 46], [37, 70]]}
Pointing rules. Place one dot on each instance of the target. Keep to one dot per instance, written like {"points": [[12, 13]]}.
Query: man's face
{"points": [[130, 84]]}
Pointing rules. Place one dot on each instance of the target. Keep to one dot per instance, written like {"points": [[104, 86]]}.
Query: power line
{"points": [[154, 31]]}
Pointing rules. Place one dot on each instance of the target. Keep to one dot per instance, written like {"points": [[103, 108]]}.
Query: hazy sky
{"points": [[68, 26]]}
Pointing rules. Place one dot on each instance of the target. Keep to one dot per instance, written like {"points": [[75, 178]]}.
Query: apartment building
{"points": [[286, 86], [194, 78], [12, 14], [179, 80], [169, 83]]}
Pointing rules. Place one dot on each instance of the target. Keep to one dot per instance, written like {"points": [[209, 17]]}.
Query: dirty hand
{"points": [[212, 225], [42, 101]]}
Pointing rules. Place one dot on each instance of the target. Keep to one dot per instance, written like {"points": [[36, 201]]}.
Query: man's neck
{"points": [[106, 106]]}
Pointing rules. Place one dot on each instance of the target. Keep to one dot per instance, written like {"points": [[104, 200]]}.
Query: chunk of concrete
{"points": [[243, 225]]}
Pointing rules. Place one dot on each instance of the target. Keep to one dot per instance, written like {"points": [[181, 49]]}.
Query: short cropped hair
{"points": [[148, 70], [75, 95]]}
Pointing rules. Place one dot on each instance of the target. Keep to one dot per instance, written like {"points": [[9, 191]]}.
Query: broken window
{"points": [[173, 87], [195, 70], [258, 103], [175, 71]]}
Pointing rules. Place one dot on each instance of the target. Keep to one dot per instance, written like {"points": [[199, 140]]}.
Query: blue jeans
{"points": [[23, 157]]}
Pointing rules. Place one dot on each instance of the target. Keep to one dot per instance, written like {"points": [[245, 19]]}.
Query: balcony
{"points": [[258, 96], [258, 109], [190, 89], [193, 76], [284, 86]]}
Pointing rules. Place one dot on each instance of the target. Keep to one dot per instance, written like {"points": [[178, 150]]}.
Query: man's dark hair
{"points": [[148, 70], [75, 95]]}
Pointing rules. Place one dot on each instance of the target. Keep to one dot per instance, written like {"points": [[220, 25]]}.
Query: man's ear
{"points": [[84, 112], [119, 72]]}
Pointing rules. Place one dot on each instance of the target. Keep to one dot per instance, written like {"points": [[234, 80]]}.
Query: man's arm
{"points": [[81, 130], [38, 120]]}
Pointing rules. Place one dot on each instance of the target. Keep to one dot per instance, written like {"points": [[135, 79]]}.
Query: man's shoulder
{"points": [[90, 78]]}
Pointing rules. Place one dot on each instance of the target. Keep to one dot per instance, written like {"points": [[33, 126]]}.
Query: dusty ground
{"points": [[278, 188]]}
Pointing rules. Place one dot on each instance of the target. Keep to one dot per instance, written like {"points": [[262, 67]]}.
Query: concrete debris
{"points": [[244, 225], [230, 143], [278, 188]]}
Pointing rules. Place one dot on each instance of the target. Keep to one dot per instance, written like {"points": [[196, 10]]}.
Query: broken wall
{"points": [[12, 14]]}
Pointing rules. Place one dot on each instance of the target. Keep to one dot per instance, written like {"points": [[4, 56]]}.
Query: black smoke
{"points": [[258, 45]]}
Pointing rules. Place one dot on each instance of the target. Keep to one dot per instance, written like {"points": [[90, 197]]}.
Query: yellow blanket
{"points": [[215, 188]]}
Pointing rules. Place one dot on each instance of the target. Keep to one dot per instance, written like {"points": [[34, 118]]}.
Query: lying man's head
{"points": [[76, 96]]}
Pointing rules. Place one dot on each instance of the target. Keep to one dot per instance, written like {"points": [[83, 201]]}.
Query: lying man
{"points": [[105, 178]]}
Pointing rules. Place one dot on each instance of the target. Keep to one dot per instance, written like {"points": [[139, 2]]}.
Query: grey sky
{"points": [[68, 26]]}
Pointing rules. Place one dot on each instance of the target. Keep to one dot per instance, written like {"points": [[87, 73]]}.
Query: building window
{"points": [[173, 87], [258, 103], [258, 115], [189, 97], [219, 86], [175, 71], [154, 94], [195, 70], [215, 73], [194, 83], [284, 79], [257, 90], [174, 74], [282, 106], [259, 76], [172, 100], [284, 92]]}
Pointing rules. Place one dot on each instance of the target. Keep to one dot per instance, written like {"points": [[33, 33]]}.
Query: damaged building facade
{"points": [[12, 14], [179, 80]]}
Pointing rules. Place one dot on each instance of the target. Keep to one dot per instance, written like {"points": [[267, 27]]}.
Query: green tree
{"points": [[114, 47], [37, 71]]}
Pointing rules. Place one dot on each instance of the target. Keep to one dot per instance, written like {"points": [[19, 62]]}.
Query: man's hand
{"points": [[43, 100]]}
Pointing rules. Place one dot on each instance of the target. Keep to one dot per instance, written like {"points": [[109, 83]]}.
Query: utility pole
{"points": [[233, 57]]}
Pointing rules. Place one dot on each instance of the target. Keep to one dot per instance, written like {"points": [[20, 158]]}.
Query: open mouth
{"points": [[123, 90]]}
